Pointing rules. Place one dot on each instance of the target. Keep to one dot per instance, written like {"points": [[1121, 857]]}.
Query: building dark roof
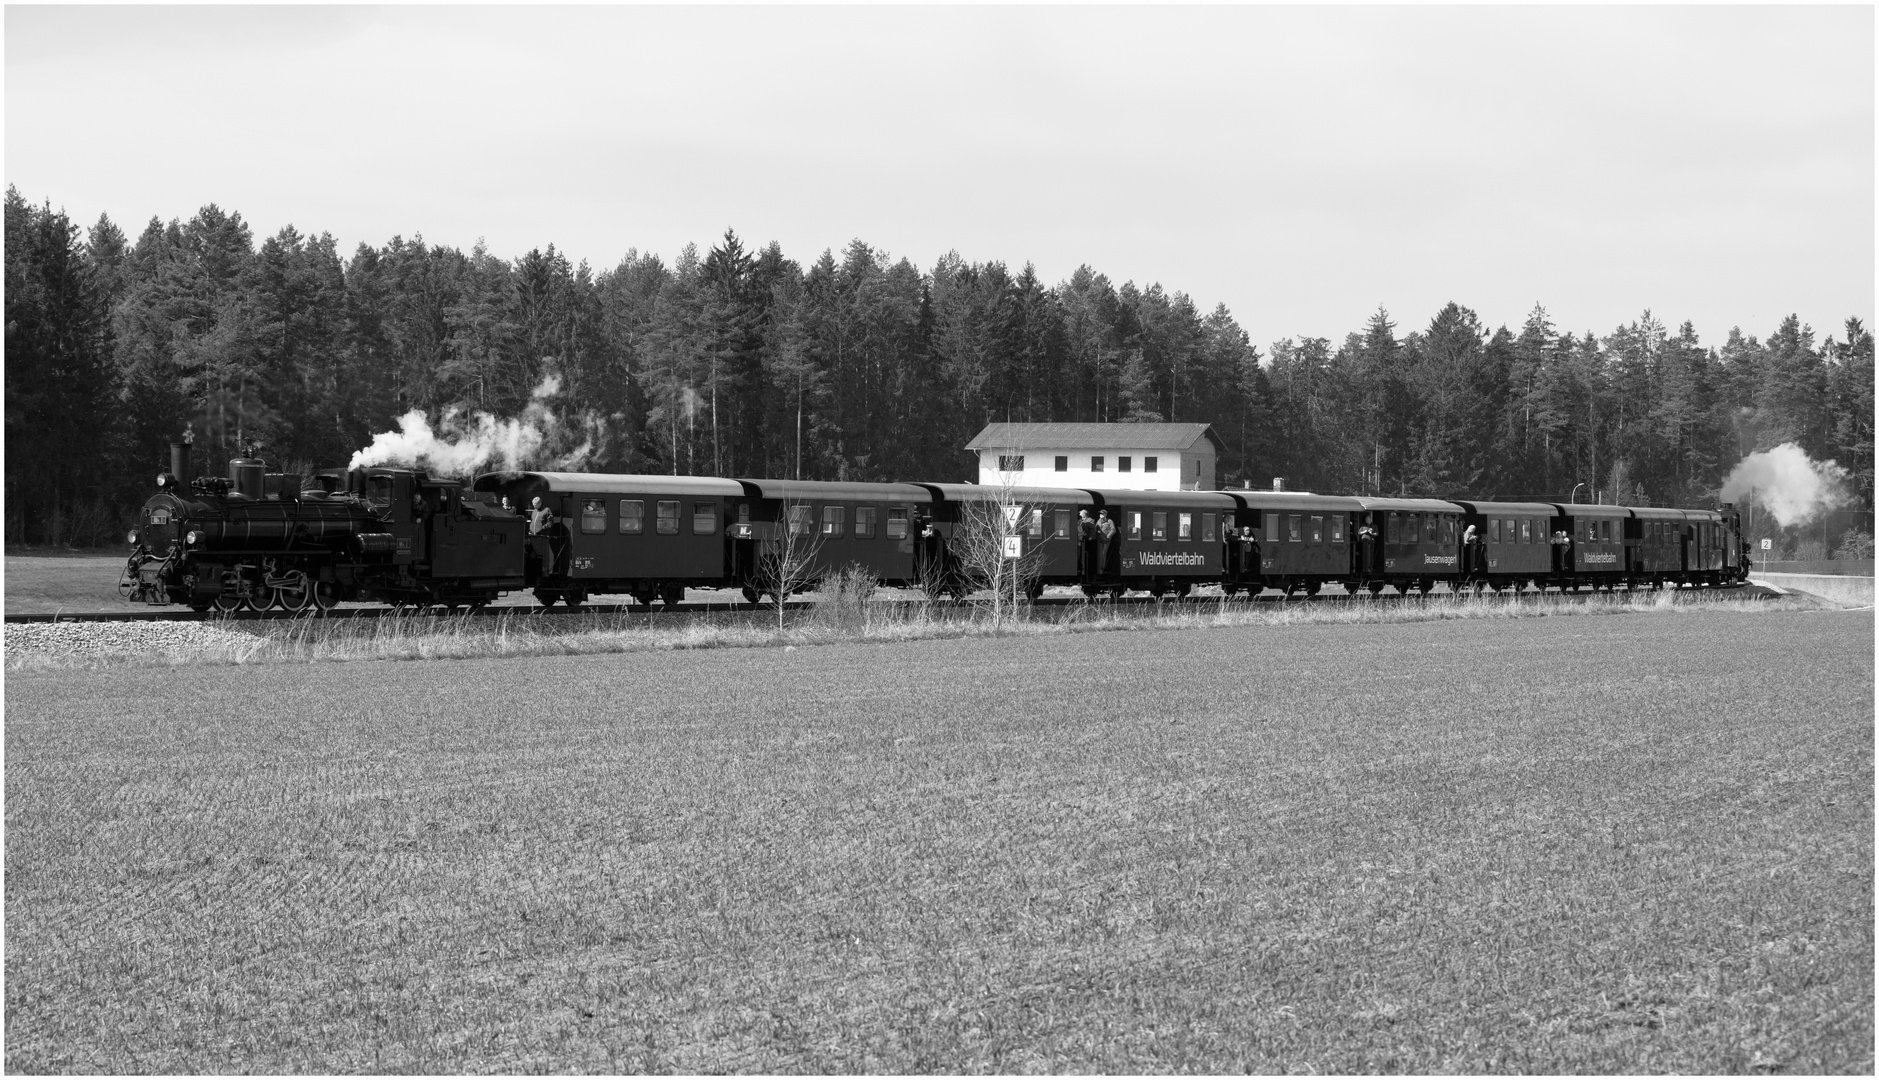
{"points": [[1094, 437]]}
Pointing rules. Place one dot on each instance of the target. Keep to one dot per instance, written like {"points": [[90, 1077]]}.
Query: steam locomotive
{"points": [[256, 539]]}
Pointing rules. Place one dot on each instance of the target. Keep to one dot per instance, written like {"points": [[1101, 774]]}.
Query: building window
{"points": [[864, 522], [834, 520], [1011, 463], [632, 517], [896, 523], [1149, 464], [704, 519], [1124, 462], [1062, 463], [593, 515], [668, 521], [1096, 463], [1184, 527]]}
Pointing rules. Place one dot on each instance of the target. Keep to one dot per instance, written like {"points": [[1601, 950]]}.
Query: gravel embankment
{"points": [[101, 638]]}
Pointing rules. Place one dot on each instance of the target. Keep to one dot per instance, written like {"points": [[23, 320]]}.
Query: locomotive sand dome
{"points": [[255, 539]]}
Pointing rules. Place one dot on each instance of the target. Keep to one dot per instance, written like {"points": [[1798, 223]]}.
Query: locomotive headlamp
{"points": [[193, 538], [133, 536]]}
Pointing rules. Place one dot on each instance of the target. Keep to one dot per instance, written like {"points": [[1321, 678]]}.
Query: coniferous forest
{"points": [[742, 361]]}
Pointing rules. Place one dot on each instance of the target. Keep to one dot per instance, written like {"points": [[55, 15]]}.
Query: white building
{"points": [[1128, 457]]}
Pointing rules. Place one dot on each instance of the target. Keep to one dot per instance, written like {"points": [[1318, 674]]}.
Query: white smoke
{"points": [[464, 442], [1787, 483]]}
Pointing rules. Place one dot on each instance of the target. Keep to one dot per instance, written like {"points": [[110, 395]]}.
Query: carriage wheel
{"points": [[1312, 587], [1116, 591], [1092, 591], [751, 595], [672, 594], [1181, 590], [1375, 587], [1425, 585]]}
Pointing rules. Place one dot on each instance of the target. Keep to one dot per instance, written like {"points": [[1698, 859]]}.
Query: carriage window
{"points": [[704, 519], [1337, 529], [1317, 528], [801, 520], [1271, 531], [1150, 464], [667, 523], [1096, 464], [896, 523], [1206, 528], [1526, 532], [593, 515], [1605, 531], [864, 521], [1184, 527], [1391, 526], [632, 516], [1062, 520], [834, 520], [1494, 530], [1036, 528], [1135, 524], [1062, 463], [1294, 526], [1414, 522], [1448, 529], [1160, 531], [743, 513]]}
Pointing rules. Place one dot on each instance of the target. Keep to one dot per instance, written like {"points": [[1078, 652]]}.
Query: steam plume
{"points": [[1788, 484], [465, 442]]}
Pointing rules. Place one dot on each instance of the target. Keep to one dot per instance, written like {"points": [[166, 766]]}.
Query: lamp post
{"points": [[1574, 497]]}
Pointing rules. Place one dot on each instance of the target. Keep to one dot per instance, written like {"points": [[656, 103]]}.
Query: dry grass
{"points": [[1613, 845], [845, 615]]}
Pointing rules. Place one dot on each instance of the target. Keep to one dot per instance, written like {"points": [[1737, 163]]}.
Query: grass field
{"points": [[1636, 844]]}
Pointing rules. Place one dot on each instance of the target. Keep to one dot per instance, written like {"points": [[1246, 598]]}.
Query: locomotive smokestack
{"points": [[179, 461]]}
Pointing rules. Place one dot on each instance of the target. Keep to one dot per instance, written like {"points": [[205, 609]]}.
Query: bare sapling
{"points": [[788, 563], [999, 546]]}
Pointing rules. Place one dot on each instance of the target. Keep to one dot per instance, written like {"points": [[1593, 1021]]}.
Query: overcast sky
{"points": [[1300, 165]]}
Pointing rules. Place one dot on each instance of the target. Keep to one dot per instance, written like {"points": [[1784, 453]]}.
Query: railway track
{"points": [[690, 608]]}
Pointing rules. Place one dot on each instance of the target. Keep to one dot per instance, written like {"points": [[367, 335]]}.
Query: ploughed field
{"points": [[1631, 844]]}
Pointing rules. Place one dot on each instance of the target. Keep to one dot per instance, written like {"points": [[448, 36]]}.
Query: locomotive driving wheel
{"points": [[226, 601], [297, 593]]}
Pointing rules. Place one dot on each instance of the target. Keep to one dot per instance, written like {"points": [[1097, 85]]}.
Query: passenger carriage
{"points": [[1046, 526], [1302, 541], [1595, 556], [1514, 546], [1165, 542], [1655, 543], [1418, 543], [647, 536], [831, 525]]}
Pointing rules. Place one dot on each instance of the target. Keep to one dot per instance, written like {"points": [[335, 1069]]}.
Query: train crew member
{"points": [[539, 517], [1105, 539], [1470, 549], [1249, 539], [1086, 541]]}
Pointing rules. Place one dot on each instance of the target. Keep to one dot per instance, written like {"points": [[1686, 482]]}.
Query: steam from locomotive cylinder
{"points": [[1789, 484], [464, 442]]}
